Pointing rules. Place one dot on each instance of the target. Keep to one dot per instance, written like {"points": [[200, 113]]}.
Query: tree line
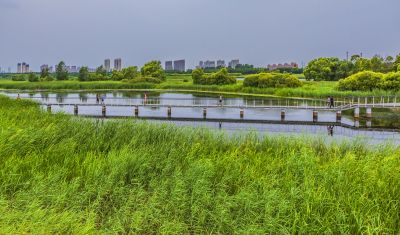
{"points": [[334, 69]]}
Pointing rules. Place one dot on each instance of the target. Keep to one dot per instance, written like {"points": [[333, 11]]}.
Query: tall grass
{"points": [[184, 83], [59, 174]]}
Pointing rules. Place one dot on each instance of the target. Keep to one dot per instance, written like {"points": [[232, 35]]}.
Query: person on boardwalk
{"points": [[328, 102], [18, 97], [97, 99], [145, 98], [331, 102], [103, 97], [220, 100]]}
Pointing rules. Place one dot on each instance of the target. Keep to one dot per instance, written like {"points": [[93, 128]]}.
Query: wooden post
{"points": [[104, 110], [76, 110], [315, 116], [136, 111], [339, 116], [283, 115], [241, 114], [169, 112], [205, 113], [49, 108]]}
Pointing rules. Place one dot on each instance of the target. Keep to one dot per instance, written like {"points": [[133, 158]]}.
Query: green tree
{"points": [[153, 69], [377, 64], [197, 76], [61, 71], [130, 73], [33, 77], [101, 71], [117, 75], [44, 73], [84, 74], [324, 69]]}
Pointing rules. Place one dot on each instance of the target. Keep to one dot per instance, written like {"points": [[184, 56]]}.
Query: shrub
{"points": [[272, 80], [221, 77], [33, 77], [362, 81], [18, 78], [391, 81]]}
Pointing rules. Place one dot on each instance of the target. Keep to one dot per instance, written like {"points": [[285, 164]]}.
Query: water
{"points": [[327, 118]]}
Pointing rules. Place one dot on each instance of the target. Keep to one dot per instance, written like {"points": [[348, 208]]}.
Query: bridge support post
{"points": [[369, 123], [76, 110], [103, 110], [357, 113], [241, 114], [315, 116], [339, 116], [356, 124], [136, 111], [283, 115], [169, 112], [369, 112], [205, 113], [49, 108]]}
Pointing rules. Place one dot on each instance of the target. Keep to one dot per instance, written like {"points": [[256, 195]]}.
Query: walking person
{"points": [[145, 98], [332, 102], [103, 98], [220, 100], [328, 102], [97, 99]]}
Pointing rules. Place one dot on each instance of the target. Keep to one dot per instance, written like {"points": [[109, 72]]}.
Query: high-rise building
{"points": [[209, 64], [27, 70], [19, 68], [180, 65], [221, 63], [107, 65], [234, 63], [118, 64], [201, 64], [168, 66]]}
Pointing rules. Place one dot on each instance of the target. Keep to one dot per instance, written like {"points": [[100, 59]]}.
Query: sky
{"points": [[259, 32]]}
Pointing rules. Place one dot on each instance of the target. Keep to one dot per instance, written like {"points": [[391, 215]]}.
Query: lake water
{"points": [[378, 130]]}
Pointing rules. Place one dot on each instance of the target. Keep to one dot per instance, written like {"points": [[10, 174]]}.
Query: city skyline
{"points": [[294, 31]]}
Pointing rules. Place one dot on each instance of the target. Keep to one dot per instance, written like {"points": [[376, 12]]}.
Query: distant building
{"points": [[209, 64], [169, 66], [201, 65], [221, 63], [107, 65], [233, 63], [272, 67], [180, 65], [118, 64], [19, 68], [23, 68]]}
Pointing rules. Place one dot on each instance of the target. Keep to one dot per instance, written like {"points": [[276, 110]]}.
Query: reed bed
{"points": [[59, 174]]}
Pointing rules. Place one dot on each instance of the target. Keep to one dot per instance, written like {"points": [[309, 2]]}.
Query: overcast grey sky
{"points": [[85, 32]]}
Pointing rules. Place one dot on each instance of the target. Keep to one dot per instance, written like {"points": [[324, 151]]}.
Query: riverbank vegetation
{"points": [[369, 81], [59, 174], [334, 69], [220, 77], [272, 80]]}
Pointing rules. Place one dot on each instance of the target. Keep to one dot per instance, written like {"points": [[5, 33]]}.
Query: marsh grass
{"points": [[59, 174], [185, 83]]}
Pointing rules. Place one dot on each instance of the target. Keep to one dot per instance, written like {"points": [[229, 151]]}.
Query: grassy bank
{"points": [[184, 83], [59, 174]]}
